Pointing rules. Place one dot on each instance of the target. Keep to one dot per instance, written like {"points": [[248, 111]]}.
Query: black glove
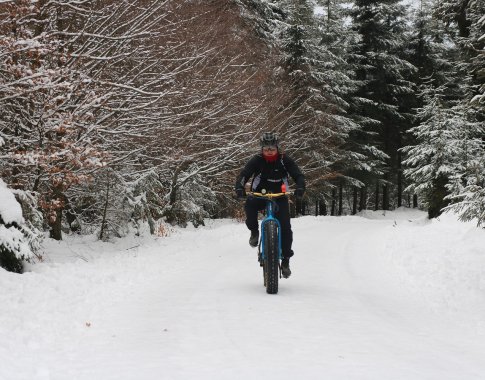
{"points": [[299, 193], [240, 193]]}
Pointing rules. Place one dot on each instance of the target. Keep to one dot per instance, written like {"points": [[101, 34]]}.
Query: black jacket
{"points": [[270, 175]]}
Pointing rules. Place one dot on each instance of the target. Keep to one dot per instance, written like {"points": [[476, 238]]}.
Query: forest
{"points": [[116, 115]]}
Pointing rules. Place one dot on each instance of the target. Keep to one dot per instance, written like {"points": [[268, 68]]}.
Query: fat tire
{"points": [[271, 259]]}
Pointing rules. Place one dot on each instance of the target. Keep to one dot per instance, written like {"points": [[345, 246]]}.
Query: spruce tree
{"points": [[447, 145], [467, 186], [444, 163], [338, 38], [436, 82], [477, 44], [319, 78], [384, 74]]}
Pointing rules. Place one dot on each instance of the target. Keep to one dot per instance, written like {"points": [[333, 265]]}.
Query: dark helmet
{"points": [[269, 139]]}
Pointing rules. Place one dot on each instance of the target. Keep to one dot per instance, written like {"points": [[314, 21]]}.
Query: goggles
{"points": [[270, 148]]}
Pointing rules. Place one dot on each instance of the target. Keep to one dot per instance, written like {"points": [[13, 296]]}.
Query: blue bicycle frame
{"points": [[270, 217]]}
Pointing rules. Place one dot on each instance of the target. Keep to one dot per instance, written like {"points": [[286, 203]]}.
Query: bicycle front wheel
{"points": [[271, 260]]}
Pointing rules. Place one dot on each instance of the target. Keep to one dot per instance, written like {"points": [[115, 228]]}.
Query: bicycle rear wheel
{"points": [[271, 260]]}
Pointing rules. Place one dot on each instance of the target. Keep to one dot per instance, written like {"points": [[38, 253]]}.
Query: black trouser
{"points": [[281, 212]]}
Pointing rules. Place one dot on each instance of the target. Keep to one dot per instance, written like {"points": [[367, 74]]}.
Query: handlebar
{"points": [[267, 195]]}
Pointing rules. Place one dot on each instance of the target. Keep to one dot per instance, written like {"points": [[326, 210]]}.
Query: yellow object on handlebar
{"points": [[266, 195]]}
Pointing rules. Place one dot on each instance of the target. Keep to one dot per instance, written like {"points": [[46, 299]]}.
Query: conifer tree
{"points": [[447, 145], [429, 51], [385, 82], [319, 77], [466, 25], [477, 44]]}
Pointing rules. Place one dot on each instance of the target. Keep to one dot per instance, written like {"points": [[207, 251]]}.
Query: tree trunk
{"points": [[104, 223], [334, 195], [56, 223], [415, 200], [323, 207], [354, 201], [170, 214], [363, 198], [399, 182], [385, 197], [376, 206], [462, 20], [340, 198], [436, 199]]}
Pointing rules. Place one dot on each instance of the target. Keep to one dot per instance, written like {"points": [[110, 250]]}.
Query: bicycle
{"points": [[269, 247]]}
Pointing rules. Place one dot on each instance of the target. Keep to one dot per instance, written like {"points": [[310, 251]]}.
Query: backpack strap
{"points": [[283, 162]]}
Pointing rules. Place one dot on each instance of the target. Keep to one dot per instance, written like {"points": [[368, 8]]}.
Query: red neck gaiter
{"points": [[271, 158]]}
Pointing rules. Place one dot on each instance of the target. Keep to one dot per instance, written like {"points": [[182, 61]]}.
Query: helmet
{"points": [[269, 139]]}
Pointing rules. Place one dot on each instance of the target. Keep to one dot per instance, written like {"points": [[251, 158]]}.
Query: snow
{"points": [[376, 296], [15, 241], [10, 209], [414, 3], [319, 10]]}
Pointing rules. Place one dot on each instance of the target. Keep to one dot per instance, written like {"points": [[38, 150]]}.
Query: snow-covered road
{"points": [[372, 297]]}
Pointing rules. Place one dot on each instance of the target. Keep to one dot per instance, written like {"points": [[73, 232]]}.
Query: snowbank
{"points": [[10, 210], [14, 239]]}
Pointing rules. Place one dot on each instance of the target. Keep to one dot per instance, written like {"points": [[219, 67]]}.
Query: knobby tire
{"points": [[271, 261]]}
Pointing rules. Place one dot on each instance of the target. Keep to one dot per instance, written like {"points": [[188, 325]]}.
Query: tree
{"points": [[428, 49], [221, 102], [384, 75], [41, 123], [319, 79], [477, 44], [117, 112], [466, 186], [447, 169], [447, 148]]}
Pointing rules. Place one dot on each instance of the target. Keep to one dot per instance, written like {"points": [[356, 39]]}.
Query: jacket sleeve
{"points": [[295, 172], [247, 172]]}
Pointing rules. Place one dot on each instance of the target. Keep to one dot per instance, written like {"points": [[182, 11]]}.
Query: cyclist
{"points": [[270, 170]]}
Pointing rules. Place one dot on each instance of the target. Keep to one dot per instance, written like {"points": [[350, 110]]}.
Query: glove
{"points": [[299, 193], [240, 193]]}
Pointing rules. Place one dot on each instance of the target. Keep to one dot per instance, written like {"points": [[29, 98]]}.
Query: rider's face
{"points": [[270, 150]]}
